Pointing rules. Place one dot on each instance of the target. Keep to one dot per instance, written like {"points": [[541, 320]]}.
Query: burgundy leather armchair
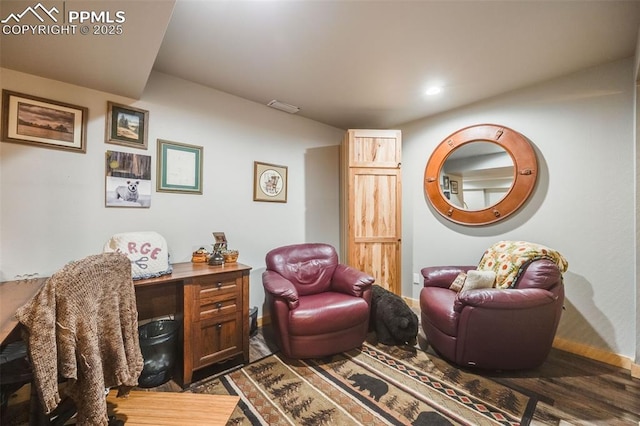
{"points": [[498, 329], [318, 307]]}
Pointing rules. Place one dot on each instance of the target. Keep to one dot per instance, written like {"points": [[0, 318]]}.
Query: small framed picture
{"points": [[445, 182], [454, 186], [447, 195], [179, 167], [220, 241], [127, 125], [42, 122], [128, 180], [269, 182]]}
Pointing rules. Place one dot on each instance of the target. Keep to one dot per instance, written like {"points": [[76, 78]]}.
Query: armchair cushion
{"points": [[327, 312]]}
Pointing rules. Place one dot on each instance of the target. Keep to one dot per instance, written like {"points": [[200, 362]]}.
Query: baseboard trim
{"points": [[597, 354], [264, 320], [413, 303]]}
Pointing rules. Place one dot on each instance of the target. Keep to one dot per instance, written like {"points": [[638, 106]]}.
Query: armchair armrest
{"points": [[349, 280], [493, 298], [442, 276], [278, 286]]}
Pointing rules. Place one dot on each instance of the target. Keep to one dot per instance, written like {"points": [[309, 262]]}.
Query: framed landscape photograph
{"points": [[127, 125], [179, 167], [269, 182], [43, 122]]}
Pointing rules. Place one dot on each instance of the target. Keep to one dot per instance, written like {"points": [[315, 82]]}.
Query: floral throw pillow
{"points": [[457, 284]]}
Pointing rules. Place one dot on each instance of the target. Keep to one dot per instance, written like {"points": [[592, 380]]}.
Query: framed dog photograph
{"points": [[42, 122], [127, 125], [128, 180], [269, 182]]}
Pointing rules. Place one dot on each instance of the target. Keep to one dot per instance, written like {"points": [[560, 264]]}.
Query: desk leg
{"points": [[190, 305]]}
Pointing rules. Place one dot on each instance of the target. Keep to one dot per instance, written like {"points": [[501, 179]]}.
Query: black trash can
{"points": [[253, 320], [159, 345]]}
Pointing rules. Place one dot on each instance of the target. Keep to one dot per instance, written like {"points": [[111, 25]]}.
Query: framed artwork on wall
{"points": [[445, 182], [127, 125], [454, 186], [179, 167], [128, 180], [43, 122], [269, 182]]}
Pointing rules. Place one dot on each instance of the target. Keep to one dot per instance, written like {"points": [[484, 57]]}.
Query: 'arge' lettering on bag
{"points": [[145, 249]]}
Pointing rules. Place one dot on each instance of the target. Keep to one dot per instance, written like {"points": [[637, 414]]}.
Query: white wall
{"points": [[52, 202], [582, 128]]}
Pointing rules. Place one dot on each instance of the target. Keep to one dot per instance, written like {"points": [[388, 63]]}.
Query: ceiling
{"points": [[349, 64]]}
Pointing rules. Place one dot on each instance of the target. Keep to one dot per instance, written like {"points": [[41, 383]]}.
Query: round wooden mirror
{"points": [[480, 174]]}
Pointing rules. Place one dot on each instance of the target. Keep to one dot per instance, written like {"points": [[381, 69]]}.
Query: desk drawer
{"points": [[220, 304], [210, 286]]}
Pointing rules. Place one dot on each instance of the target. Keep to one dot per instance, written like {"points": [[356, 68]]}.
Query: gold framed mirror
{"points": [[480, 174]]}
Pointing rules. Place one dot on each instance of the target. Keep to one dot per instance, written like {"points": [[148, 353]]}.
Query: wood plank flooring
{"points": [[569, 389]]}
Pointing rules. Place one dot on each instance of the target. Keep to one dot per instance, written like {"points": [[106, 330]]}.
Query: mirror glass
{"points": [[479, 175]]}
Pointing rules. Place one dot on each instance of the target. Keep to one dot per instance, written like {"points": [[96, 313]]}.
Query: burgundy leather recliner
{"points": [[498, 329], [318, 307]]}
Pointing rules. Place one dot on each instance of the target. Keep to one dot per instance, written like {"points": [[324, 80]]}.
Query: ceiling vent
{"points": [[291, 109]]}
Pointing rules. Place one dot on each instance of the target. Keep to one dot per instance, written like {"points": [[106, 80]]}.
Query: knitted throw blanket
{"points": [[506, 259], [83, 326]]}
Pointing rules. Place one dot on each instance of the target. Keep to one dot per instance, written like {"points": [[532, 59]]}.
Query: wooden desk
{"points": [[211, 301], [171, 408], [213, 304], [14, 294]]}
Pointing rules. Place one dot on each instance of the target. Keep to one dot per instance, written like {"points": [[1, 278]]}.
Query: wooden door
{"points": [[372, 231]]}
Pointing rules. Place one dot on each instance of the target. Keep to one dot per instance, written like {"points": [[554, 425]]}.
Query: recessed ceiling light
{"points": [[434, 90]]}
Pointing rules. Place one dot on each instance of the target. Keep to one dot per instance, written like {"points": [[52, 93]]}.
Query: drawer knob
{"points": [[219, 284], [219, 326], [219, 305]]}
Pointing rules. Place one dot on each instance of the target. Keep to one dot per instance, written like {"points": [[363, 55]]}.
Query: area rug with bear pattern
{"points": [[373, 385]]}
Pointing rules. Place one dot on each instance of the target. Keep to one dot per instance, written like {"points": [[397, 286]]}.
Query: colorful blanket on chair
{"points": [[506, 258]]}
